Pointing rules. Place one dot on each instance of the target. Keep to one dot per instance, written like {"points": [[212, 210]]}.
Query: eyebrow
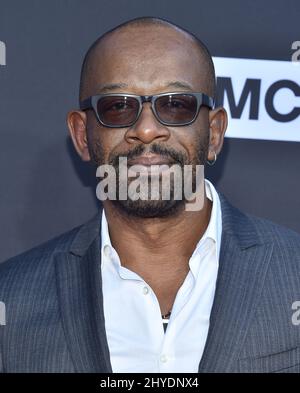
{"points": [[117, 86], [112, 86], [180, 85]]}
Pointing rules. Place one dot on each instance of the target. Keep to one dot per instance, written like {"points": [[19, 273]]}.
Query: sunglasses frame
{"points": [[92, 101]]}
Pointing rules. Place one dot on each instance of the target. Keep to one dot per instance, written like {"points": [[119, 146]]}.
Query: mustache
{"points": [[137, 151]]}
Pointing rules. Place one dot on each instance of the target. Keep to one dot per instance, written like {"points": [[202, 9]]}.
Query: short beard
{"points": [[150, 208]]}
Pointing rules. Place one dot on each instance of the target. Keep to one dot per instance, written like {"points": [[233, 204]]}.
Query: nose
{"points": [[147, 128]]}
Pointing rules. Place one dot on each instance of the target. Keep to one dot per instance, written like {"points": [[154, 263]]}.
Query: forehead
{"points": [[145, 60]]}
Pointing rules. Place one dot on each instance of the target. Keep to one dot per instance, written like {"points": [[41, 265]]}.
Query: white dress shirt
{"points": [[136, 338]]}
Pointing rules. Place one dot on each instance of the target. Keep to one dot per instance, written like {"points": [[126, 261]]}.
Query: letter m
{"points": [[2, 314], [251, 88], [2, 53]]}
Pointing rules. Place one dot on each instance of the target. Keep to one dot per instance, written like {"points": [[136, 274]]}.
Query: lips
{"points": [[149, 164], [149, 159]]}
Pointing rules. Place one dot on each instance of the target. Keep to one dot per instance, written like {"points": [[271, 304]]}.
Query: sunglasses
{"points": [[123, 110]]}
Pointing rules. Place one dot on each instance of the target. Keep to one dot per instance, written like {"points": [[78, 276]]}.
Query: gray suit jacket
{"points": [[54, 309]]}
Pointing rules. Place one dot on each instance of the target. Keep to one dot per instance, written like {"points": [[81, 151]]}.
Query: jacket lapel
{"points": [[79, 287], [244, 259]]}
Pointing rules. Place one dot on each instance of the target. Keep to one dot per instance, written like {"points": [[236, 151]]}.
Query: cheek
{"points": [[103, 142], [194, 138]]}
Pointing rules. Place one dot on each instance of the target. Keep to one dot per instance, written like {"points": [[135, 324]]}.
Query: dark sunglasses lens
{"points": [[177, 108], [117, 110]]}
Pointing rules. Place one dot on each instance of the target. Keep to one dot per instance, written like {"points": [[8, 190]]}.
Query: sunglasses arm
{"points": [[208, 101], [86, 104]]}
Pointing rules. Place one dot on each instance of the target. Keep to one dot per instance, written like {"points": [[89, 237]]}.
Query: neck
{"points": [[158, 249], [159, 241]]}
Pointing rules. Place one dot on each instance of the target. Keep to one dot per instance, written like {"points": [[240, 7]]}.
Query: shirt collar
{"points": [[214, 228], [105, 238]]}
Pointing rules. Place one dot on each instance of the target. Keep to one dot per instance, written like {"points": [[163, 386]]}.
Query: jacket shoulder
{"points": [[269, 231], [285, 244], [249, 228], [37, 259]]}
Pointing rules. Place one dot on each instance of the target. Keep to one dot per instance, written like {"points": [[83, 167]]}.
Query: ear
{"points": [[217, 126], [77, 127]]}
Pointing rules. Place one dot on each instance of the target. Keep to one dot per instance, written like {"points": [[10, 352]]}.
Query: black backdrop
{"points": [[45, 189]]}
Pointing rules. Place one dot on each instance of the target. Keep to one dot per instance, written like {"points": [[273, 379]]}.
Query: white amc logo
{"points": [[262, 97], [2, 53]]}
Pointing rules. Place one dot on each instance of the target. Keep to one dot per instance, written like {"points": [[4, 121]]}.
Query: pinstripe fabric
{"points": [[259, 279], [54, 309]]}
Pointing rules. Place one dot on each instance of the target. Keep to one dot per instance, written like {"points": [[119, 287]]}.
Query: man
{"points": [[148, 286]]}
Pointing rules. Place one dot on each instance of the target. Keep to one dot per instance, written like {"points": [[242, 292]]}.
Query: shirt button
{"points": [[164, 358], [145, 290], [107, 251]]}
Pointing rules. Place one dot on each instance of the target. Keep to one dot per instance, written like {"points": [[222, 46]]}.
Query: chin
{"points": [[149, 209]]}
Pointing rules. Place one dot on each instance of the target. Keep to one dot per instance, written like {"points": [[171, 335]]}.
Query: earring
{"points": [[211, 162]]}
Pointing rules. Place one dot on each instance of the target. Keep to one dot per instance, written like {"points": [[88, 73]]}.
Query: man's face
{"points": [[148, 61]]}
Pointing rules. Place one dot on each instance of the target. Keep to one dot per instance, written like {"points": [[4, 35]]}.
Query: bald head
{"points": [[146, 36]]}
